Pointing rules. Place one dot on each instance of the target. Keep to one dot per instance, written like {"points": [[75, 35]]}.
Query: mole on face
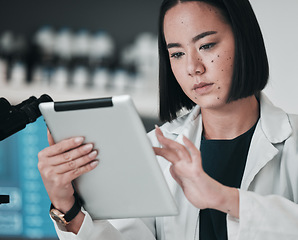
{"points": [[218, 88], [212, 61]]}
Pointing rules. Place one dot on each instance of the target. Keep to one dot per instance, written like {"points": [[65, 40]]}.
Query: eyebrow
{"points": [[194, 39]]}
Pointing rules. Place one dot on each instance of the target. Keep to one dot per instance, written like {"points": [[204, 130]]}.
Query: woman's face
{"points": [[201, 49]]}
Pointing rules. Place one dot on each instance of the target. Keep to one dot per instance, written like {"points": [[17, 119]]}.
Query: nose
{"points": [[195, 65]]}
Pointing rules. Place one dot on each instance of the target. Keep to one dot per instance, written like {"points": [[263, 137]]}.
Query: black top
{"points": [[223, 160]]}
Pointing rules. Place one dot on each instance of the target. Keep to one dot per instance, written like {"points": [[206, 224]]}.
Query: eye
{"points": [[207, 46], [177, 55]]}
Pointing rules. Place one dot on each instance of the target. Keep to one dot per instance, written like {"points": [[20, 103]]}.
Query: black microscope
{"points": [[15, 118]]}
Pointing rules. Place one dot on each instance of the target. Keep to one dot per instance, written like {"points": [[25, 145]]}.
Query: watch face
{"points": [[58, 216]]}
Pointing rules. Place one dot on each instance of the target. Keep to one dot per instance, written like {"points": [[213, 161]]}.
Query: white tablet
{"points": [[128, 181]]}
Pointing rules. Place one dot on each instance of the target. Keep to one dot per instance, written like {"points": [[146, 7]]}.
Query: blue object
{"points": [[27, 214]]}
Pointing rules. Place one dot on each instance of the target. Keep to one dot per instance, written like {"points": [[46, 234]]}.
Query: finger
{"points": [[77, 163], [72, 175], [63, 146], [176, 147], [194, 151], [160, 137], [167, 154], [50, 138], [72, 154], [165, 142]]}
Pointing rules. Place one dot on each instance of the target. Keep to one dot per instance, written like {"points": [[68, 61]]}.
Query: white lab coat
{"points": [[268, 192]]}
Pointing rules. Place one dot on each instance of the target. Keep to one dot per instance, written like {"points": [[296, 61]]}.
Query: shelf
{"points": [[146, 101]]}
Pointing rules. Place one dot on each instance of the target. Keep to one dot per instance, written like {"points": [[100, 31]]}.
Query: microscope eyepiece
{"points": [[15, 118]]}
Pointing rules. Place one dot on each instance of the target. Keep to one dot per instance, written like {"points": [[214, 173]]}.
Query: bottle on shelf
{"points": [[101, 59], [63, 55], [80, 77], [6, 49], [44, 40], [18, 71]]}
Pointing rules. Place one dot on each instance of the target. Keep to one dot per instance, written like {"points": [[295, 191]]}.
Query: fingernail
{"points": [[79, 140], [88, 147], [94, 163], [93, 154]]}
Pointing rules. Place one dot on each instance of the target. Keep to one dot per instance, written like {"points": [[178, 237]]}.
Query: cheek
{"points": [[223, 65], [178, 73], [224, 61]]}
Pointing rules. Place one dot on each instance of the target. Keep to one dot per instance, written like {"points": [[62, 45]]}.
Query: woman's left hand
{"points": [[200, 189]]}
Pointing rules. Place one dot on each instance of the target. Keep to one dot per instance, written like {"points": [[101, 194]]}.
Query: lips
{"points": [[203, 88], [201, 85]]}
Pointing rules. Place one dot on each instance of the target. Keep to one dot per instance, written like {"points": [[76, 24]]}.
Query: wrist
{"points": [[230, 201], [63, 216], [65, 205]]}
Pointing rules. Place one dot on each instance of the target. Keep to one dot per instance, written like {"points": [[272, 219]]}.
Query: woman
{"points": [[231, 162]]}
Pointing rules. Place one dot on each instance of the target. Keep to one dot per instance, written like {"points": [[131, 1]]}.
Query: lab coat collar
{"points": [[181, 124], [273, 128], [262, 150], [270, 118]]}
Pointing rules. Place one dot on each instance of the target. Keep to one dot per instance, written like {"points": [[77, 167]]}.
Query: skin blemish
{"points": [[222, 70], [217, 55], [212, 61], [218, 88], [217, 98]]}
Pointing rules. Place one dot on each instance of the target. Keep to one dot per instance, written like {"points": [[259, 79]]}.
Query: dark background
{"points": [[123, 20]]}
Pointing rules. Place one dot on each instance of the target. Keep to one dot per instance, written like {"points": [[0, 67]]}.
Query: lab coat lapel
{"points": [[267, 134], [185, 224], [260, 153]]}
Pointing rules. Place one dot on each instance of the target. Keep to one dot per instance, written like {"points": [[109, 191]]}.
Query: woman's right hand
{"points": [[61, 163]]}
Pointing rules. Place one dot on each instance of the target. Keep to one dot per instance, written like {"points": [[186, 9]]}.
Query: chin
{"points": [[210, 102]]}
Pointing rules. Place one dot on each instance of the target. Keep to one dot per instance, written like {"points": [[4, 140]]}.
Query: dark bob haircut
{"points": [[251, 70]]}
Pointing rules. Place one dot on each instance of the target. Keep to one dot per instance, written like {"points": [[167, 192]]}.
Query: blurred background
{"points": [[88, 49], [69, 50]]}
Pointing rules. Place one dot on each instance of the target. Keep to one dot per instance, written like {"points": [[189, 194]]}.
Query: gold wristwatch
{"points": [[65, 218]]}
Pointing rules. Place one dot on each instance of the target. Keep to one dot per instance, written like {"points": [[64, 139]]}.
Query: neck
{"points": [[232, 120]]}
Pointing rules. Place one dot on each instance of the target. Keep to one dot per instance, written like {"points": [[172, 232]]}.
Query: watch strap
{"points": [[75, 209]]}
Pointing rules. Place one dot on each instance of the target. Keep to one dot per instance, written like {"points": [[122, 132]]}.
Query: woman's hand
{"points": [[61, 163], [200, 189]]}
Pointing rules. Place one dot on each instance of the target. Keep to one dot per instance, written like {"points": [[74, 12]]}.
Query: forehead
{"points": [[193, 16]]}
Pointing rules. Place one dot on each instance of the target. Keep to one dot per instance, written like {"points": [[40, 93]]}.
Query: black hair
{"points": [[251, 70]]}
